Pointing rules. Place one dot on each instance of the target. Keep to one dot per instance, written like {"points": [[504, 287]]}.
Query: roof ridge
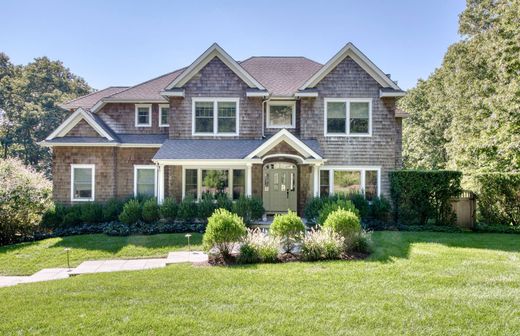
{"points": [[92, 93]]}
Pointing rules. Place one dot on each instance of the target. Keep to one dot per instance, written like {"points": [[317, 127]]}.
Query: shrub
{"points": [[421, 196], [223, 202], [499, 198], [91, 212], [249, 208], [150, 210], [380, 208], [344, 222], [321, 245], [25, 195], [361, 242], [117, 229], [360, 203], [224, 230], [168, 209], [336, 205], [312, 209], [72, 216], [53, 217], [132, 212], [112, 209], [258, 246], [206, 207], [288, 227], [187, 210]]}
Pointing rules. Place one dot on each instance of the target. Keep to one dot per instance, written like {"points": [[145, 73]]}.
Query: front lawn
{"points": [[414, 283], [28, 258]]}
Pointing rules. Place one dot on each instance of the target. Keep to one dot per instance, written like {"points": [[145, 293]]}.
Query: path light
{"points": [[68, 258], [188, 235]]}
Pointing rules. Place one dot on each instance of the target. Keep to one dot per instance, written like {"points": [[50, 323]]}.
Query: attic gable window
{"points": [[143, 115], [348, 117], [215, 116], [281, 114]]}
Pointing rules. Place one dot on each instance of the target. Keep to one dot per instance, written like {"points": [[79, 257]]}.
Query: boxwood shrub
{"points": [[289, 228], [224, 230], [132, 212], [423, 197]]}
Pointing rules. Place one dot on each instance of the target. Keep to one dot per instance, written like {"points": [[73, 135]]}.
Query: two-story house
{"points": [[284, 129]]}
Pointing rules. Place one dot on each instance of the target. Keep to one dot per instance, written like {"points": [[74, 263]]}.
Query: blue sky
{"points": [[128, 42]]}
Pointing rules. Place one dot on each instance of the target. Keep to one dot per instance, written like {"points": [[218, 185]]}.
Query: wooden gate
{"points": [[465, 207]]}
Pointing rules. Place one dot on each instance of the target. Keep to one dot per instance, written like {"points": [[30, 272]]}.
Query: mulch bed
{"points": [[215, 260]]}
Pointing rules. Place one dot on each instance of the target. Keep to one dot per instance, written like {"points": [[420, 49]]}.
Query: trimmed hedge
{"points": [[499, 198], [422, 197]]}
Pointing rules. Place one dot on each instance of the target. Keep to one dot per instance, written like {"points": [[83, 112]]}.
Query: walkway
{"points": [[102, 266]]}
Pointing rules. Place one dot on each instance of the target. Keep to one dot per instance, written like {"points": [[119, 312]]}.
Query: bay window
{"points": [[211, 183], [348, 117], [215, 116], [350, 180]]}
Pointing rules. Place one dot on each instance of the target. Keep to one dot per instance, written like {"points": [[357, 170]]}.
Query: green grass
{"points": [[28, 258], [414, 284]]}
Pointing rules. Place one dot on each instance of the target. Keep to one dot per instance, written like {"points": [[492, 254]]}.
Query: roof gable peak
{"points": [[214, 51]]}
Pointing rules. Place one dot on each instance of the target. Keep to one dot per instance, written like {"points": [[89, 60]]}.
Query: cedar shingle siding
{"points": [[115, 165]]}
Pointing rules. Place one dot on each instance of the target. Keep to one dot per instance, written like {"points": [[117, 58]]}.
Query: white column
{"points": [[160, 184], [249, 179], [316, 180]]}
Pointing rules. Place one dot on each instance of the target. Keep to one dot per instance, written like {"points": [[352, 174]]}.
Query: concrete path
{"points": [[102, 266]]}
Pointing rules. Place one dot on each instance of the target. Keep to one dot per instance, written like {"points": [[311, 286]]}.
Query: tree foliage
{"points": [[466, 115], [29, 95]]}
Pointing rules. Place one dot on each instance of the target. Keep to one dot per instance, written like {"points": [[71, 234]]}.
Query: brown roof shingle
{"points": [[87, 101]]}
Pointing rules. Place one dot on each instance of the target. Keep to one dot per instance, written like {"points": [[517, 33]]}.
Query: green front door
{"points": [[279, 190]]}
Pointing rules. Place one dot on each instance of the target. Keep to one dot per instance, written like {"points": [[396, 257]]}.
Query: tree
{"points": [[29, 96], [466, 115]]}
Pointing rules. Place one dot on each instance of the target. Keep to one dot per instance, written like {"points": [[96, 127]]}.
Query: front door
{"points": [[279, 191]]}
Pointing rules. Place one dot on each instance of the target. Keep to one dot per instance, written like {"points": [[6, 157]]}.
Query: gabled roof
{"points": [[285, 136], [80, 114], [281, 76], [351, 51], [214, 51], [87, 101]]}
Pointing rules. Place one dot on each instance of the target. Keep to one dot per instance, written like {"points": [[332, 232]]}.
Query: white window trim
{"points": [[74, 166], [361, 169], [215, 102], [161, 106], [347, 102], [136, 167], [281, 103], [149, 106], [199, 178]]}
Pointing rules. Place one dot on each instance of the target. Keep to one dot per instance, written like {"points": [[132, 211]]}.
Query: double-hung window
{"points": [[348, 117], [145, 178], [164, 110], [215, 116], [82, 182], [281, 114], [143, 115]]}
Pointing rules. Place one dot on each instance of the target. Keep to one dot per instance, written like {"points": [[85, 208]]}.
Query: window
{"points": [[143, 115], [239, 183], [324, 182], [191, 182], [201, 183], [215, 116], [163, 115], [82, 182], [215, 183], [281, 114], [348, 117], [348, 180], [145, 178]]}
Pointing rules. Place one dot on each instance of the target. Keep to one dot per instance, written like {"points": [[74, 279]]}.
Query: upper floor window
{"points": [[143, 115], [215, 116], [348, 117], [82, 182], [164, 109], [281, 114]]}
